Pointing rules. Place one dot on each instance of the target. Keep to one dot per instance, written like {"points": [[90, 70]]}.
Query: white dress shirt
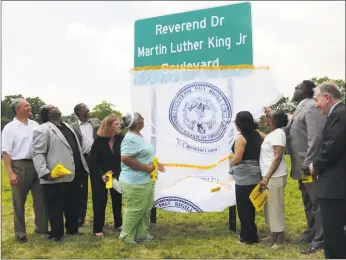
{"points": [[87, 135], [332, 108], [17, 139]]}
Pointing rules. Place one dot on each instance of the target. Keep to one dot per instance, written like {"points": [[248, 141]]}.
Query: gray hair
{"points": [[330, 88], [129, 120], [16, 104]]}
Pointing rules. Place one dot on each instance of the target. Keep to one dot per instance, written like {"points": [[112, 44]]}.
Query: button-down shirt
{"points": [[87, 135], [331, 110], [17, 139]]}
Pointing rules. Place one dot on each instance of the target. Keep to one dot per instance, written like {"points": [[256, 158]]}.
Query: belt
{"points": [[86, 154], [23, 160]]}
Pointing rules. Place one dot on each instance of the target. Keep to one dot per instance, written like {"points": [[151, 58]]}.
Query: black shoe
{"points": [[310, 250], [81, 222], [22, 239], [78, 233], [55, 239]]}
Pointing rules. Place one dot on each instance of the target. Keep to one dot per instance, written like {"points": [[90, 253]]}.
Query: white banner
{"points": [[190, 121]]}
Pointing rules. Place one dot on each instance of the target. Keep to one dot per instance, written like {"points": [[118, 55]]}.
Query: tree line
{"points": [[104, 108]]}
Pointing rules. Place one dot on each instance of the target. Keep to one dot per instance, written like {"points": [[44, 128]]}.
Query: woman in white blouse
{"points": [[274, 173]]}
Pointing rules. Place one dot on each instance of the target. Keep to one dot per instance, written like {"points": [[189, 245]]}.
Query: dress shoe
{"points": [[55, 239], [78, 233], [22, 239], [242, 241], [310, 250]]}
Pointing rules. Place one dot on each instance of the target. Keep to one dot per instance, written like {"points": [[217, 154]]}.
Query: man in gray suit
{"points": [[86, 131], [54, 142], [304, 136]]}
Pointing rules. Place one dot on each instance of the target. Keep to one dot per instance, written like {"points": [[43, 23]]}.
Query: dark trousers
{"points": [[334, 221], [62, 199], [246, 213], [99, 198], [314, 232], [83, 196]]}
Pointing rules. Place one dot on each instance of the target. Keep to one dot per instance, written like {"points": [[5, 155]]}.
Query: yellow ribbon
{"points": [[200, 167], [223, 67], [153, 174]]}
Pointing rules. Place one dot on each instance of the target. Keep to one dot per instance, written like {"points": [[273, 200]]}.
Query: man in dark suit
{"points": [[330, 168], [86, 131]]}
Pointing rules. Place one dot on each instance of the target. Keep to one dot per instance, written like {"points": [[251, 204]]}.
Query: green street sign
{"points": [[209, 37]]}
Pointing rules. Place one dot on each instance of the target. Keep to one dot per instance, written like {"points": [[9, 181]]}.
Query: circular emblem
{"points": [[201, 112], [178, 203]]}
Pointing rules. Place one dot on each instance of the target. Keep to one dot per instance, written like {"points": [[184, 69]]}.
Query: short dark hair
{"points": [[245, 122], [279, 118], [44, 114], [77, 108], [309, 87]]}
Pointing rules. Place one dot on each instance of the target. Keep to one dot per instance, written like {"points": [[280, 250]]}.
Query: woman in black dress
{"points": [[104, 157]]}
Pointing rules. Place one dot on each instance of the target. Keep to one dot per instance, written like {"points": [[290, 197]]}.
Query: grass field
{"points": [[178, 235]]}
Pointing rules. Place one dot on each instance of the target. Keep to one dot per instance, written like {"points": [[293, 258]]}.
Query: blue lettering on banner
{"points": [[201, 112], [176, 202], [194, 148]]}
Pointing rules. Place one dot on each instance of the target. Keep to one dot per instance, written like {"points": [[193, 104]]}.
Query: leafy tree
{"points": [[69, 119], [285, 104], [103, 110], [36, 103], [6, 106], [339, 82]]}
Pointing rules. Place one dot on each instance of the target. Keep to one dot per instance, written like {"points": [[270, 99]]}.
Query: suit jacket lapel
{"points": [[96, 125], [77, 128], [299, 108], [59, 133]]}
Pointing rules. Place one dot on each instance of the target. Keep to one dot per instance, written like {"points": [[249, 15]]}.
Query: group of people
{"points": [[314, 137], [88, 147]]}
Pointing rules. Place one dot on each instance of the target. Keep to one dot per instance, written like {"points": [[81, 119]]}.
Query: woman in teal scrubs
{"points": [[136, 187]]}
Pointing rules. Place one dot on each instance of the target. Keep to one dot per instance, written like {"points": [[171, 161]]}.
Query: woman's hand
{"points": [[104, 178], [161, 167], [150, 168], [264, 182]]}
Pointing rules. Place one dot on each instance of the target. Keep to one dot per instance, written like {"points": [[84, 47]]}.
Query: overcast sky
{"points": [[71, 52]]}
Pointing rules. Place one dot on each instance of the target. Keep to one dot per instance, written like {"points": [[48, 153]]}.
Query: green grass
{"points": [[178, 235]]}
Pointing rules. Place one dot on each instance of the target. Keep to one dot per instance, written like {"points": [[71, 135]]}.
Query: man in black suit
{"points": [[330, 167], [86, 131]]}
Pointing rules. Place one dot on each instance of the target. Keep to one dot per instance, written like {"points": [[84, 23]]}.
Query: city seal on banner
{"points": [[178, 203], [201, 112]]}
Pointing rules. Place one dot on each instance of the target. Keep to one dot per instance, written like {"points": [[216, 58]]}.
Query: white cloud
{"points": [[71, 52]]}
